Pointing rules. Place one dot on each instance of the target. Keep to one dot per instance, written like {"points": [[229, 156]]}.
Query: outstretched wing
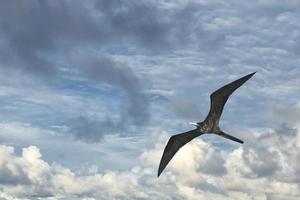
{"points": [[174, 144], [220, 96]]}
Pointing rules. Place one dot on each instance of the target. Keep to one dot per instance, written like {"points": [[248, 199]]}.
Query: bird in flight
{"points": [[209, 125]]}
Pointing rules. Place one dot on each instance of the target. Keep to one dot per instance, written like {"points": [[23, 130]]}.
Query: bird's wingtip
{"points": [[158, 174], [250, 75], [253, 73]]}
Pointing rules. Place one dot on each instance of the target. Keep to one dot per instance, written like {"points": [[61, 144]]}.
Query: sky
{"points": [[91, 91]]}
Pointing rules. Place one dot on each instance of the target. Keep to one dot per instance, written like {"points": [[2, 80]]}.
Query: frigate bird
{"points": [[209, 125]]}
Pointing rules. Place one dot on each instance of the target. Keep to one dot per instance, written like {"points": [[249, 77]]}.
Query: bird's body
{"points": [[209, 125]]}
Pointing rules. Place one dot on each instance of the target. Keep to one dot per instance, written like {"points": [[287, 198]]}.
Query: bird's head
{"points": [[194, 124]]}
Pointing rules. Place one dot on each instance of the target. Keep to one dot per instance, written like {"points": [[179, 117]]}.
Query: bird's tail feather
{"points": [[227, 136]]}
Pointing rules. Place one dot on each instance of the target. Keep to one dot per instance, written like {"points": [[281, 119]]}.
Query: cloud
{"points": [[269, 161], [152, 40], [191, 161], [28, 170], [266, 168], [33, 34], [179, 46], [38, 40], [155, 28], [30, 176], [135, 111], [133, 103], [35, 29], [90, 130]]}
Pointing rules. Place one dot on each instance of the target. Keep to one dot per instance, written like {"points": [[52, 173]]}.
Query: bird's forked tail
{"points": [[227, 136]]}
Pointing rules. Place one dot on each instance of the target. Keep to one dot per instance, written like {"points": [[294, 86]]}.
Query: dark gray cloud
{"points": [[156, 29], [130, 21], [90, 130], [38, 35], [134, 107], [119, 75], [33, 32]]}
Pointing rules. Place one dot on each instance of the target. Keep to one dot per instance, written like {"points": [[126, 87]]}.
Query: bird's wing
{"points": [[174, 144], [220, 96]]}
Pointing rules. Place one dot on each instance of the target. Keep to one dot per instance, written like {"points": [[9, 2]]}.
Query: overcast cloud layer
{"points": [[91, 91]]}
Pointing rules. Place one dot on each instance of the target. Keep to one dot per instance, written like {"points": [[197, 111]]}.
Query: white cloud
{"points": [[28, 175], [196, 172]]}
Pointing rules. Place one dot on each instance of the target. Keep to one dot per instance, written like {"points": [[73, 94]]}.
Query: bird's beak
{"points": [[192, 123]]}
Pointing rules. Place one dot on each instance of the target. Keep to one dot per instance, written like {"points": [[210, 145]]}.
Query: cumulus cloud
{"points": [[121, 42], [265, 169], [30, 176], [191, 161]]}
